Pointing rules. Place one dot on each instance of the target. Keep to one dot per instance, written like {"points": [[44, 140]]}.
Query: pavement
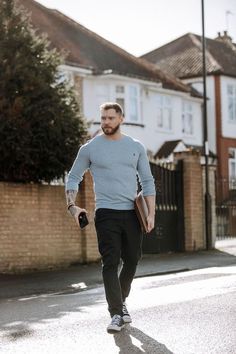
{"points": [[81, 277]]}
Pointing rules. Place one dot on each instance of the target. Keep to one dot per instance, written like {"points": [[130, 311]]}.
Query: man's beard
{"points": [[111, 131]]}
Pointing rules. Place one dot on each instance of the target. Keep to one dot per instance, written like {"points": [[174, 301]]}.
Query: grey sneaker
{"points": [[126, 316], [116, 325]]}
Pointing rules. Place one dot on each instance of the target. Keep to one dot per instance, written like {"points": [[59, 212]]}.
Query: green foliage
{"points": [[41, 127]]}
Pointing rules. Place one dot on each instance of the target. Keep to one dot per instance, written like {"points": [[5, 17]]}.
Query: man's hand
{"points": [[151, 203], [75, 211], [150, 223]]}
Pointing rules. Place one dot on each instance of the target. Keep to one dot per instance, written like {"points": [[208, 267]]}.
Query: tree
{"points": [[41, 127]]}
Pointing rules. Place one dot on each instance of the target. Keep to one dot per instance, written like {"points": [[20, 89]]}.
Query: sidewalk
{"points": [[81, 277]]}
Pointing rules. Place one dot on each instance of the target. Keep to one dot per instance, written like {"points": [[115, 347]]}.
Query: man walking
{"points": [[114, 160]]}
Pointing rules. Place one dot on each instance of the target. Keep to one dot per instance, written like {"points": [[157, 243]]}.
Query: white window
{"points": [[231, 93], [128, 97], [120, 96], [66, 77], [232, 168], [102, 94], [133, 104], [164, 112], [187, 118]]}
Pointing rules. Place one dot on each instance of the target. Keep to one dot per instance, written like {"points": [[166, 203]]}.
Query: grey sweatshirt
{"points": [[114, 165]]}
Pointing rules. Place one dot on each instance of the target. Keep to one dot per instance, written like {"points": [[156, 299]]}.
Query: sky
{"points": [[139, 26]]}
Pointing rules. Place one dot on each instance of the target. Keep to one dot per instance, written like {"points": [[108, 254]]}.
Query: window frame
{"points": [[164, 106], [231, 97], [232, 170], [126, 97], [187, 118]]}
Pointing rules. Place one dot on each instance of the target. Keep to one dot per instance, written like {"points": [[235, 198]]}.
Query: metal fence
{"points": [[225, 208], [168, 234]]}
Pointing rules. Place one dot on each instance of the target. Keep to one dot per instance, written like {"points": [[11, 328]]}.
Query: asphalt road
{"points": [[186, 313]]}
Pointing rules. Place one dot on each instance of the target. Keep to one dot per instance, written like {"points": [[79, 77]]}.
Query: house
{"points": [[183, 58], [158, 107]]}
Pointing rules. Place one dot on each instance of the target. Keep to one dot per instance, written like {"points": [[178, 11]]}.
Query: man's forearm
{"points": [[72, 208], [71, 197], [151, 203]]}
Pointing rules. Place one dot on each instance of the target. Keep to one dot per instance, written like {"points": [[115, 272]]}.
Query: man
{"points": [[114, 160]]}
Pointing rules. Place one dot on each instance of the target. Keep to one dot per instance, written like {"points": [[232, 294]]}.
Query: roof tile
{"points": [[183, 57]]}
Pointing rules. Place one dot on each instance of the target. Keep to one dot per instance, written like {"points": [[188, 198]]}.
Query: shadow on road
{"points": [[18, 332], [131, 340]]}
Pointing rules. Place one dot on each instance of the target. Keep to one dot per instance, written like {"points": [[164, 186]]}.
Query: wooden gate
{"points": [[168, 233]]}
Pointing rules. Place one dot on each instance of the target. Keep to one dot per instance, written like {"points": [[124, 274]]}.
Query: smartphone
{"points": [[83, 220]]}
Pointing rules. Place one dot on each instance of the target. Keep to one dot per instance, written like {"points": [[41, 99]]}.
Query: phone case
{"points": [[83, 220]]}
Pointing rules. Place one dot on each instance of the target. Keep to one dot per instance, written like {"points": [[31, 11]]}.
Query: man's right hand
{"points": [[75, 211]]}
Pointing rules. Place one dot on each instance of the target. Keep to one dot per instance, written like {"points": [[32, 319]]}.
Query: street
{"points": [[184, 313]]}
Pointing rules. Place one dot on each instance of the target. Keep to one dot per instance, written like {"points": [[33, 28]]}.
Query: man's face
{"points": [[110, 121]]}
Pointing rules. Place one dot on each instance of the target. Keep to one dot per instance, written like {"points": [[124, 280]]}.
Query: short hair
{"points": [[112, 105]]}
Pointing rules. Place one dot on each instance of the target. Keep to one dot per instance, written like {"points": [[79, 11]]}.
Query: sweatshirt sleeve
{"points": [[144, 173], [80, 166]]}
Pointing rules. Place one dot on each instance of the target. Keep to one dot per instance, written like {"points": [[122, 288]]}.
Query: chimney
{"points": [[225, 38]]}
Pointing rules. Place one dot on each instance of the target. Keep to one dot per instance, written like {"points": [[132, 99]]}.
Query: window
{"points": [[120, 96], [187, 118], [120, 89], [231, 93], [164, 112], [102, 94], [232, 168], [133, 101], [65, 76], [128, 97]]}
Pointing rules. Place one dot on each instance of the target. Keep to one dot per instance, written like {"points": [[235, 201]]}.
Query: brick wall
{"points": [[193, 200], [78, 91], [36, 232]]}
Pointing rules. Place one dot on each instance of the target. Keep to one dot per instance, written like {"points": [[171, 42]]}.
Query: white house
{"points": [[153, 114], [158, 107]]}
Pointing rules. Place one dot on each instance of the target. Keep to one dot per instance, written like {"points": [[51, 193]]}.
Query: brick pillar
{"points": [[193, 200], [78, 90], [88, 234]]}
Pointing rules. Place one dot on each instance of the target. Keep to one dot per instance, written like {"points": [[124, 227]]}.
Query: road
{"points": [[185, 313]]}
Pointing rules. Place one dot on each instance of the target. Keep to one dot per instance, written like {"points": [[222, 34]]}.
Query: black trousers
{"points": [[119, 237]]}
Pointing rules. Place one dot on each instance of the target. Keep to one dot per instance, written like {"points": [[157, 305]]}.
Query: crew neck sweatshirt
{"points": [[114, 165]]}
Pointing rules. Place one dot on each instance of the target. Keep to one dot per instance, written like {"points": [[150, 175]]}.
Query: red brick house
{"points": [[183, 58]]}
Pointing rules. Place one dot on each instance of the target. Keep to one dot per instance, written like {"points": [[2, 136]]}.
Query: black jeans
{"points": [[119, 237]]}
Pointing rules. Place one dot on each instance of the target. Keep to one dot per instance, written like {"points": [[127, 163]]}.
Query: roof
{"points": [[183, 57], [168, 147], [87, 49]]}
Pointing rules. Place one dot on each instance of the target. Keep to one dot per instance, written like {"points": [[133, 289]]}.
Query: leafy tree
{"points": [[40, 124]]}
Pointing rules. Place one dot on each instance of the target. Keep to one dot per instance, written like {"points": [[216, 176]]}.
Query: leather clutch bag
{"points": [[141, 210]]}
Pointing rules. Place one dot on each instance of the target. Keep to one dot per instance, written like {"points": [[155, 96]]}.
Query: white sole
{"points": [[127, 319], [114, 329]]}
